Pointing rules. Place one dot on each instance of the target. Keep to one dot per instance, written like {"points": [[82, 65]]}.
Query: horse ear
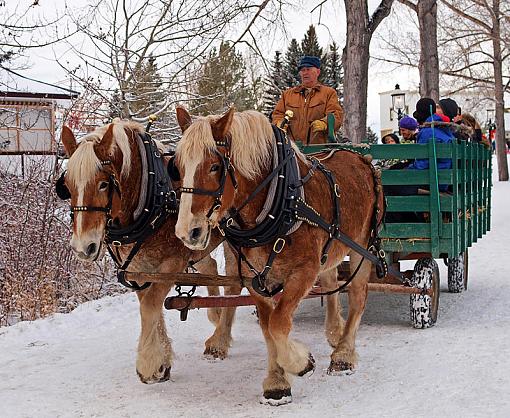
{"points": [[221, 127], [183, 118], [68, 140], [102, 148]]}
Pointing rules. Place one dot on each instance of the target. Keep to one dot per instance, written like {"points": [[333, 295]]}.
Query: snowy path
{"points": [[82, 364]]}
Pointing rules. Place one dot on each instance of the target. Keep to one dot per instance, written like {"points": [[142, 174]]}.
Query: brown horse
{"points": [[200, 158], [113, 151]]}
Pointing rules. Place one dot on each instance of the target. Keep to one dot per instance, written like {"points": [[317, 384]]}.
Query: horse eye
{"points": [[103, 186], [214, 167]]}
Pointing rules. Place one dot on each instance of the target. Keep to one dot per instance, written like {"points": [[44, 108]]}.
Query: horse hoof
{"points": [[310, 367], [161, 376], [215, 353], [276, 397], [340, 368]]}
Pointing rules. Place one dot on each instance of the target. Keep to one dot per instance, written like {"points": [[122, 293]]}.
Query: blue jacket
{"points": [[442, 135]]}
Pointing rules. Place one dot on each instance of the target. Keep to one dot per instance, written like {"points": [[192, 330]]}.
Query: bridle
{"points": [[159, 203], [113, 187], [227, 169]]}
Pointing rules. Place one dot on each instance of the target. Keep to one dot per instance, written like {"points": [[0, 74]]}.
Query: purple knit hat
{"points": [[407, 122]]}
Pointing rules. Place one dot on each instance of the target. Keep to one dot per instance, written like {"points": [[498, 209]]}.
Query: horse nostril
{"points": [[195, 233], [91, 249]]}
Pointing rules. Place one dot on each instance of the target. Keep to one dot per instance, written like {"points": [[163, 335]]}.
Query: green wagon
{"points": [[451, 222]]}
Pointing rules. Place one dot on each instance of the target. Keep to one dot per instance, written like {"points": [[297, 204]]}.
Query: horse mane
{"points": [[84, 163], [251, 142]]}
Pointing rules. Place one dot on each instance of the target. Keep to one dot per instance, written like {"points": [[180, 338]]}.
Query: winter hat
{"points": [[395, 138], [407, 122], [309, 61], [449, 107], [425, 107]]}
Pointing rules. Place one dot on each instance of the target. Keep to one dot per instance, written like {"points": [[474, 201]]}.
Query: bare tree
{"points": [[121, 36], [426, 10], [24, 27], [356, 55], [482, 22]]}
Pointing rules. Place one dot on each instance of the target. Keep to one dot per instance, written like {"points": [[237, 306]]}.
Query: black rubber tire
{"points": [[424, 308], [458, 273]]}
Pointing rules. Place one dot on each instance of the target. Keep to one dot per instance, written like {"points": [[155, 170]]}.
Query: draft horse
{"points": [[106, 180], [225, 163]]}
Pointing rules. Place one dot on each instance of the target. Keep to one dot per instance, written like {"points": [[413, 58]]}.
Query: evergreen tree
{"points": [[144, 93], [145, 88], [310, 43], [222, 82], [333, 70], [274, 84], [292, 57], [371, 137]]}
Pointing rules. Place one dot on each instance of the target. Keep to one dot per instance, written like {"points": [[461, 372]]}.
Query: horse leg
{"points": [[218, 344], [293, 356], [344, 357], [334, 323], [276, 386], [155, 354]]}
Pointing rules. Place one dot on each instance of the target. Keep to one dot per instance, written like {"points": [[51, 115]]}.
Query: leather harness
{"points": [[160, 202]]}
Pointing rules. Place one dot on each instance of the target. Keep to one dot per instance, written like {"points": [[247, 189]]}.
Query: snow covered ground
{"points": [[82, 364]]}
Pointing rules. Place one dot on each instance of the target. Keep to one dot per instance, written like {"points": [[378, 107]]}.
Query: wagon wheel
{"points": [[424, 307], [458, 273]]}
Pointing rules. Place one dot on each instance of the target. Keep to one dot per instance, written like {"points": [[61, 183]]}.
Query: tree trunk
{"points": [[429, 61], [499, 95], [355, 59], [356, 56]]}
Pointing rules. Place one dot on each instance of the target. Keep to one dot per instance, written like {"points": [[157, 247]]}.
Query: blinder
{"points": [[173, 171], [61, 188]]}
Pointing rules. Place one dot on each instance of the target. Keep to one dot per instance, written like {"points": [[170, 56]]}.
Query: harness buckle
{"points": [[337, 190], [116, 243], [278, 245]]}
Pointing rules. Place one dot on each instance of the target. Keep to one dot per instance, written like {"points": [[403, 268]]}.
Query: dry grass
{"points": [[38, 272]]}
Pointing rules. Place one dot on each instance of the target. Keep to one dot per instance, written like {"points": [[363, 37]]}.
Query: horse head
{"points": [[102, 181], [216, 157]]}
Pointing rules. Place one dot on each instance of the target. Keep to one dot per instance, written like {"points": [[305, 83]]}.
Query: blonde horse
{"points": [[222, 160], [113, 152]]}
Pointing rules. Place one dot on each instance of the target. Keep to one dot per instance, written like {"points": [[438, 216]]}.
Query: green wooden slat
{"points": [[412, 230], [409, 246], [489, 192], [419, 203], [455, 200], [462, 198], [469, 193], [417, 177], [471, 179], [481, 208]]}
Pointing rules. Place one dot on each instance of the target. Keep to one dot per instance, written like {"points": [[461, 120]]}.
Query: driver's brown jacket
{"points": [[320, 101]]}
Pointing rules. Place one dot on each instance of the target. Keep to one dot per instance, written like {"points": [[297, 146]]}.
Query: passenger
{"points": [[449, 108], [476, 134], [426, 114], [310, 102], [408, 127], [390, 139]]}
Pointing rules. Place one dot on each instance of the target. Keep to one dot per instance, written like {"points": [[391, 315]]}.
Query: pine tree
{"points": [[333, 70], [222, 82], [292, 57], [371, 137], [274, 84], [310, 43], [146, 93]]}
